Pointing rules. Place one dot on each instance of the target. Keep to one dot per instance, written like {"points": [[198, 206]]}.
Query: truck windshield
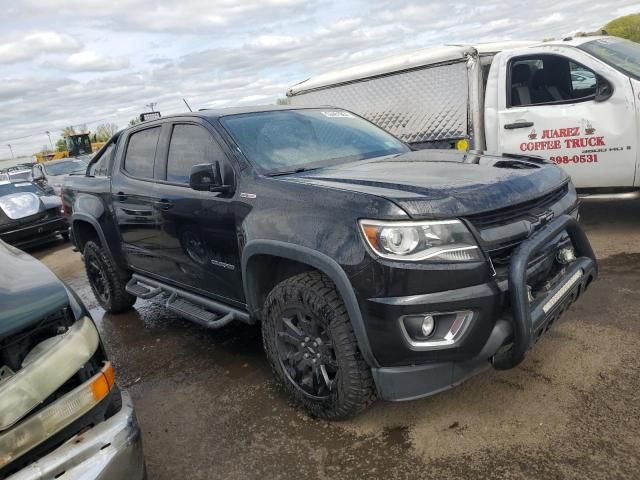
{"points": [[284, 141], [621, 54], [65, 167]]}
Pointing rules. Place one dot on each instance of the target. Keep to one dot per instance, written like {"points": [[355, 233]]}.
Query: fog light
{"points": [[428, 325], [435, 330], [566, 255]]}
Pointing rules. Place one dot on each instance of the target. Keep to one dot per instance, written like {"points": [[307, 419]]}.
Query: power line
{"points": [[55, 128]]}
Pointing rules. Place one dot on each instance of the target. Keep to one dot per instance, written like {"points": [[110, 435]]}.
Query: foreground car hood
{"points": [[15, 207], [442, 183], [29, 291]]}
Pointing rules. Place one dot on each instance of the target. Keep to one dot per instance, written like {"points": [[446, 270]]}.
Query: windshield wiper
{"points": [[291, 172]]}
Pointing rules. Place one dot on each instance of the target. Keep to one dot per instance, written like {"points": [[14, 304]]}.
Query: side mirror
{"points": [[36, 174], [209, 178], [604, 90]]}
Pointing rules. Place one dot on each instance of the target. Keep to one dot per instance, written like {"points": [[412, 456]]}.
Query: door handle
{"points": [[514, 125], [163, 204], [121, 196]]}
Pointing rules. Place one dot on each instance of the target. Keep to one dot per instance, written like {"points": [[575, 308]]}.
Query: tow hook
{"points": [[566, 255]]}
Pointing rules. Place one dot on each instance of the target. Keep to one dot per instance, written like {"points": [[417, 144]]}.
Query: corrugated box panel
{"points": [[417, 106]]}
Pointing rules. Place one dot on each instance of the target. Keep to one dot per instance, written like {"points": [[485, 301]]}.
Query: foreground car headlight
{"points": [[438, 240], [45, 369], [47, 422]]}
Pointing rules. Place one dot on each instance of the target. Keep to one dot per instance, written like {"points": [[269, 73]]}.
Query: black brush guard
{"points": [[529, 319]]}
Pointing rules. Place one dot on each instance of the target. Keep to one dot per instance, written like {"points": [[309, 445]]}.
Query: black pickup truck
{"points": [[375, 271]]}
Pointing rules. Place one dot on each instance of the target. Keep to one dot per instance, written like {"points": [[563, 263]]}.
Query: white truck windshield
{"points": [[621, 54]]}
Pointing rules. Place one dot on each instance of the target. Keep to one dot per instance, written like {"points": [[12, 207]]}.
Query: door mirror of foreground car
{"points": [[208, 177]]}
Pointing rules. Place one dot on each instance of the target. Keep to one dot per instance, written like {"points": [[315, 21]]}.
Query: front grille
{"points": [[502, 254], [517, 212]]}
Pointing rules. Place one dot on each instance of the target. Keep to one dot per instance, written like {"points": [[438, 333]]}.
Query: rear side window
{"points": [[100, 168], [190, 145], [141, 152]]}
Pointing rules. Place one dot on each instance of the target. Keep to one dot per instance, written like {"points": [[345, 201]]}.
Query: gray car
{"points": [[52, 173], [62, 414]]}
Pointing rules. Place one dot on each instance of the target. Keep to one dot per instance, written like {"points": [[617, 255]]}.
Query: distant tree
{"points": [[61, 145], [134, 121], [283, 101], [601, 31], [105, 131], [82, 128], [70, 130], [625, 27]]}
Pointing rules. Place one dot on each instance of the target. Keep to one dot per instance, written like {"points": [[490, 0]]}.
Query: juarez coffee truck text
{"points": [[575, 102], [567, 139]]}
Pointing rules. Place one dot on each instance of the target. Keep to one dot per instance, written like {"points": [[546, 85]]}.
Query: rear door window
{"points": [[100, 167], [141, 152], [190, 145]]}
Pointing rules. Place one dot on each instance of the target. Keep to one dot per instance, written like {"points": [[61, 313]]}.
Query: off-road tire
{"points": [[353, 389], [114, 299]]}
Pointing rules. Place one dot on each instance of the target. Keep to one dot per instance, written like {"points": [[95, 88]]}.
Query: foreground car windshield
{"points": [[63, 168], [19, 175], [620, 54], [289, 140]]}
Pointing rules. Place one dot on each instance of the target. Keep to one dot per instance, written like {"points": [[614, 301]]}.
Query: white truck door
{"points": [[553, 102]]}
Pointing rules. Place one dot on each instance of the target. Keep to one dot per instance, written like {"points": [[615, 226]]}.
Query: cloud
{"points": [[89, 61], [169, 15], [32, 45]]}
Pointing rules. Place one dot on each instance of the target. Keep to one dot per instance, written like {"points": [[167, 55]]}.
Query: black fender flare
{"points": [[320, 262], [92, 221], [82, 217]]}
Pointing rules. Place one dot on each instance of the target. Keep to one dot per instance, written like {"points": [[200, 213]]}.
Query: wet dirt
{"points": [[210, 409]]}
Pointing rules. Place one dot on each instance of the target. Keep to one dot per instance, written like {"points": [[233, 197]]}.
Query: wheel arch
{"points": [[306, 259], [86, 228]]}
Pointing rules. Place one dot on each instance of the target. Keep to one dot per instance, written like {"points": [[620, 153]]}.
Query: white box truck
{"points": [[573, 101]]}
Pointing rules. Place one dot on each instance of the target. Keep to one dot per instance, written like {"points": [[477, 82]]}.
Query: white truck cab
{"points": [[574, 101]]}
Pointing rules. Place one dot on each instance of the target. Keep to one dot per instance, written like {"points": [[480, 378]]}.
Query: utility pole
{"points": [[11, 150], [50, 142], [151, 106]]}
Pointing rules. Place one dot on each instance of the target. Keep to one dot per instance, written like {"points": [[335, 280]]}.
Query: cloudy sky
{"points": [[69, 62]]}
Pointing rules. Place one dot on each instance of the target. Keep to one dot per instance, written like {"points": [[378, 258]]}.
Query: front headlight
{"points": [[49, 420], [436, 241], [45, 369]]}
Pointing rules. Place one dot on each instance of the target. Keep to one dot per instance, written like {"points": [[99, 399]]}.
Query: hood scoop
{"points": [[514, 164]]}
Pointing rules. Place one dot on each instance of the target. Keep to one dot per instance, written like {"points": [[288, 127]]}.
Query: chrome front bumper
{"points": [[109, 451]]}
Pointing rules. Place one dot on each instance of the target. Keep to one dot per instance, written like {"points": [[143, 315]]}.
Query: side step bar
{"points": [[202, 310]]}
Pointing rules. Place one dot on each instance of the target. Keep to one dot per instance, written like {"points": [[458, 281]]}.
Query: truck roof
{"points": [[215, 113], [406, 61]]}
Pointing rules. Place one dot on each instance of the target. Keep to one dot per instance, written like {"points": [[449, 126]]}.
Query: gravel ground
{"points": [[209, 408]]}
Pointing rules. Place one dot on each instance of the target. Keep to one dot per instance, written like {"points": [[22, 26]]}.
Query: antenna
{"points": [[185, 102]]}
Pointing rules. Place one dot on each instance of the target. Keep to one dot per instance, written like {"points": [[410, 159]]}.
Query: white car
{"points": [[52, 173]]}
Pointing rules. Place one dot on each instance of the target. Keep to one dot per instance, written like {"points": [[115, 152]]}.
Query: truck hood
{"points": [[29, 291], [442, 183]]}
